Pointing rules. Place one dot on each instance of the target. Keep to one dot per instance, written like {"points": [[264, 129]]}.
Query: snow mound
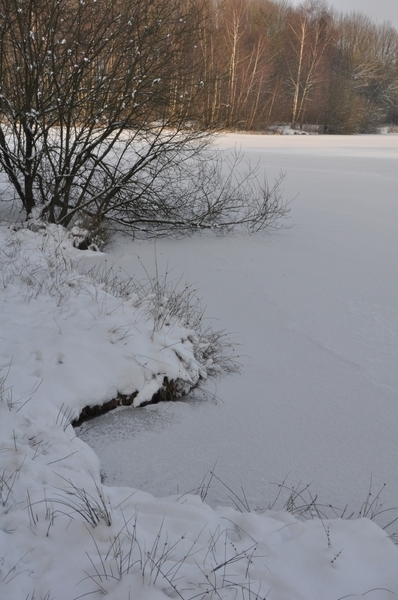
{"points": [[76, 336]]}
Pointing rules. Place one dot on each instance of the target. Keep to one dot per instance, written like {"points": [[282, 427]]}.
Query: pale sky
{"points": [[377, 10]]}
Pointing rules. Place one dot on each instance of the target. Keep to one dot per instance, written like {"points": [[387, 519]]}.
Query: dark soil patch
{"points": [[170, 390]]}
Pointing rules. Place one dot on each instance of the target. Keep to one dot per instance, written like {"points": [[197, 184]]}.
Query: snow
{"points": [[61, 327], [314, 310]]}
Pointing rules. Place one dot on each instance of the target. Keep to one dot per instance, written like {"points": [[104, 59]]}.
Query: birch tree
{"points": [[311, 34]]}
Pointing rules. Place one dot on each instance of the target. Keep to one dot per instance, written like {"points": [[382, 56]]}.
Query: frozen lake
{"points": [[314, 308]]}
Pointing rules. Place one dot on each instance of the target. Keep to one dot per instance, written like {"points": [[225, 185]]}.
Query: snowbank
{"points": [[68, 341], [81, 337]]}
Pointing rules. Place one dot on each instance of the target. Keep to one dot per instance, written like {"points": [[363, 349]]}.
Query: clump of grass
{"points": [[166, 301], [157, 563], [299, 501], [33, 596], [303, 504], [92, 509]]}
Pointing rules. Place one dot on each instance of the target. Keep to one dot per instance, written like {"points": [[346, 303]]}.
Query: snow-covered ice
{"points": [[314, 308], [315, 311]]}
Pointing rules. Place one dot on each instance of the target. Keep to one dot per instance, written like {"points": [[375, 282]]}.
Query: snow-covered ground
{"points": [[314, 309]]}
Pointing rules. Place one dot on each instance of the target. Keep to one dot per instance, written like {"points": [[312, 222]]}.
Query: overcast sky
{"points": [[377, 10]]}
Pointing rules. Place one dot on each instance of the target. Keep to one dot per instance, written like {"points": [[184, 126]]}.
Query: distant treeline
{"points": [[267, 62], [241, 64]]}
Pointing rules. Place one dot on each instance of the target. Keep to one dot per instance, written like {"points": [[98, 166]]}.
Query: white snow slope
{"points": [[67, 341]]}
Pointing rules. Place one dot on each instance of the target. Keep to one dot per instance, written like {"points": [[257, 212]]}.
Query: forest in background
{"points": [[268, 62], [230, 64]]}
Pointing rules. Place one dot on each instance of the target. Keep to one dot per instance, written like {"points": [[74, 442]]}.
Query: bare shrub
{"points": [[100, 120]]}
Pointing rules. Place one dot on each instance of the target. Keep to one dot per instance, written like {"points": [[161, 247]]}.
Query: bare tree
{"points": [[311, 34], [365, 73], [98, 105]]}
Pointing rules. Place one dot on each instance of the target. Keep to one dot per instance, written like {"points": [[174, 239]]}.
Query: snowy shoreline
{"points": [[66, 536], [66, 343], [313, 310]]}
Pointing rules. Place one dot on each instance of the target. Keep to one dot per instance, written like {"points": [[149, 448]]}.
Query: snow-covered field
{"points": [[314, 309]]}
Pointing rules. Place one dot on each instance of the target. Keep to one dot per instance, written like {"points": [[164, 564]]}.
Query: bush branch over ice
{"points": [[100, 121]]}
